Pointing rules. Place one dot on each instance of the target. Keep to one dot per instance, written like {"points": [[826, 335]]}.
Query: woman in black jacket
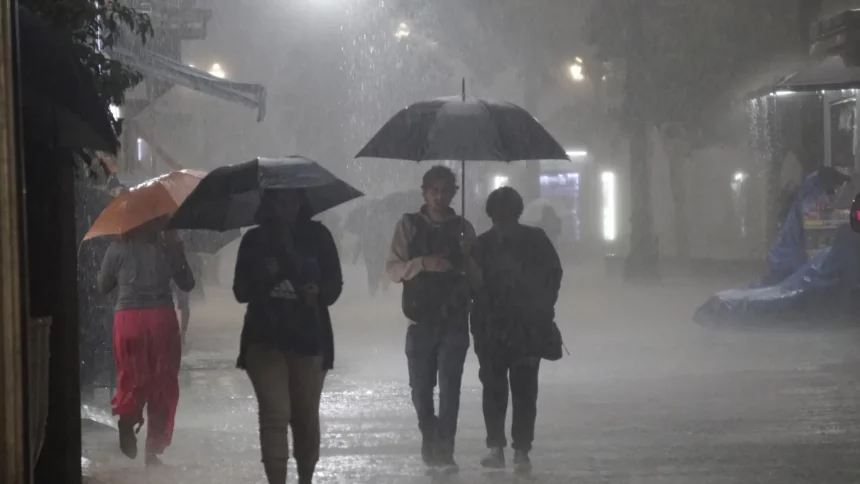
{"points": [[522, 276], [288, 272]]}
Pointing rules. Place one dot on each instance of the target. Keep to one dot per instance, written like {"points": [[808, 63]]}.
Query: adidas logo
{"points": [[284, 290]]}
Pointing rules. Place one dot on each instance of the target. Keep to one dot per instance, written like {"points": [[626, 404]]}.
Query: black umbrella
{"points": [[229, 197], [461, 128], [59, 92], [207, 241]]}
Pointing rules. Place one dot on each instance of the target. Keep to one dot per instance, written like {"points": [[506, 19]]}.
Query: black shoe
{"points": [[522, 463], [495, 459], [127, 439]]}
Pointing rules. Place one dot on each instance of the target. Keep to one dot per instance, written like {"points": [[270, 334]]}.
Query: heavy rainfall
{"points": [[630, 221]]}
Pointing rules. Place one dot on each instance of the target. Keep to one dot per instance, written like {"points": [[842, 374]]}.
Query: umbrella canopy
{"points": [[145, 203], [59, 93], [461, 128], [207, 241], [230, 196], [199, 241]]}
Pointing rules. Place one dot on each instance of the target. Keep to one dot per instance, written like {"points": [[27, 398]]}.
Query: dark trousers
{"points": [[433, 350], [495, 368]]}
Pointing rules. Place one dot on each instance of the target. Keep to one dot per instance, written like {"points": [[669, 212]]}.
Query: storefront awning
{"points": [[151, 64], [830, 74]]}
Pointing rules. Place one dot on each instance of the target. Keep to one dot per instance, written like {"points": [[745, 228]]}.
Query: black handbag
{"points": [[544, 341]]}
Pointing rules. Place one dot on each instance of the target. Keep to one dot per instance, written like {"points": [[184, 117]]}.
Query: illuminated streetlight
{"points": [[576, 71], [402, 31], [217, 71], [577, 154]]}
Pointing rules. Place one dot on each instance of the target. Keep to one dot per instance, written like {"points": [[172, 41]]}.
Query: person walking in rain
{"points": [[146, 341], [522, 276], [431, 257], [288, 272], [551, 224], [372, 242], [369, 222]]}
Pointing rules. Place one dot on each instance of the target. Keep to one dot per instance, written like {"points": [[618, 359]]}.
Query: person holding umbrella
{"points": [[140, 267], [288, 273], [431, 256], [146, 341]]}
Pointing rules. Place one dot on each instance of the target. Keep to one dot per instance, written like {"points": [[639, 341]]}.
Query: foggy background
{"points": [[647, 395]]}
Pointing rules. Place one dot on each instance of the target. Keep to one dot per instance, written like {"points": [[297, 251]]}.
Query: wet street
{"points": [[646, 397]]}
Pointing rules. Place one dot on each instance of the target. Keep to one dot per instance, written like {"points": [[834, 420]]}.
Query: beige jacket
{"points": [[401, 268]]}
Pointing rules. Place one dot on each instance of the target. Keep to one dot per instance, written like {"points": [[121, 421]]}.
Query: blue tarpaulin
{"points": [[789, 253], [827, 278], [806, 287]]}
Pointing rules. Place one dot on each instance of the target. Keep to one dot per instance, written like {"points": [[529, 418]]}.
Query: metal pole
{"points": [[14, 449], [463, 173]]}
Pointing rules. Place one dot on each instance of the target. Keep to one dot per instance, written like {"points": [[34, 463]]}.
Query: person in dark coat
{"points": [[521, 275], [288, 273]]}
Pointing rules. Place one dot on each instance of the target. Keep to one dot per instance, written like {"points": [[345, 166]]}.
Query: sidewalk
{"points": [[647, 397]]}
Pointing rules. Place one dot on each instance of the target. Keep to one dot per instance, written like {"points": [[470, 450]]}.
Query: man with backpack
{"points": [[431, 256]]}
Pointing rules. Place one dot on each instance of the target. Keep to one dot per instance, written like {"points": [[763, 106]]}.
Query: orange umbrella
{"points": [[144, 203]]}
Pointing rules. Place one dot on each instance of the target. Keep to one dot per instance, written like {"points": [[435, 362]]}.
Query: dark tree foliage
{"points": [[94, 28]]}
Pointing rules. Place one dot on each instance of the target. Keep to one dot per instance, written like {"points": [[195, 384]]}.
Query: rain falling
{"points": [[390, 241]]}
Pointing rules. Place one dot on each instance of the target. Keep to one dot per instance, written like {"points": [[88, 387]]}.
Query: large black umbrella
{"points": [[229, 197], [59, 92], [461, 128]]}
